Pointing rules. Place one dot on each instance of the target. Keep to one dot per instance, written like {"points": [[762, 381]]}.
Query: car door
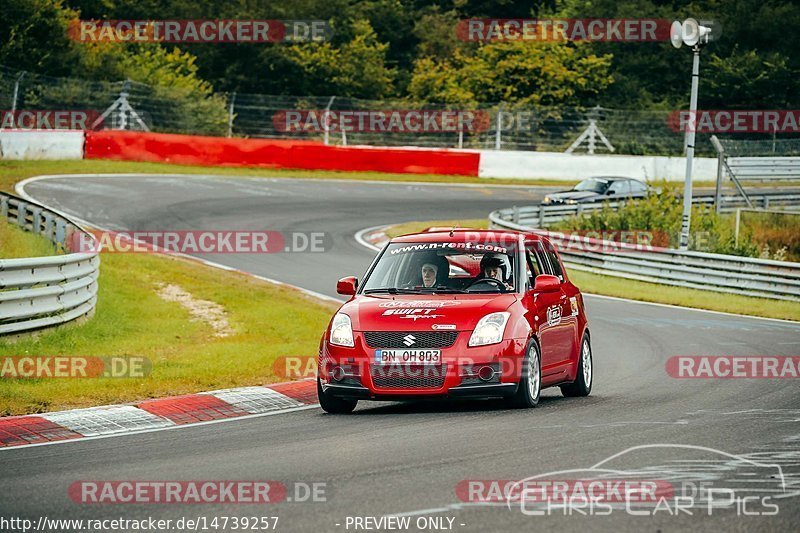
{"points": [[544, 313], [620, 190], [567, 327], [638, 189]]}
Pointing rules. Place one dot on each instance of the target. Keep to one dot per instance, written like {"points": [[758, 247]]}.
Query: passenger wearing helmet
{"points": [[434, 271], [496, 266]]}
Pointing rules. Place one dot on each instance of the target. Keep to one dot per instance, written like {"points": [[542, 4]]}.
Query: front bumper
{"points": [[457, 377], [492, 390]]}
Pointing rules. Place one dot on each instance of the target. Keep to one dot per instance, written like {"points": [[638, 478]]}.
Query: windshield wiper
{"points": [[390, 290], [443, 290]]}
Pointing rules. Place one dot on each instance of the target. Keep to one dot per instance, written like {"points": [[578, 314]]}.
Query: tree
{"points": [[537, 74]]}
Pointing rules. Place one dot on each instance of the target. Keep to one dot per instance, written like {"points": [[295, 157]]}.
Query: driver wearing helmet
{"points": [[496, 266]]}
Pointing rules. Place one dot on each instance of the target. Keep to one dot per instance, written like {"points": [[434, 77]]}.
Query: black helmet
{"points": [[496, 260]]}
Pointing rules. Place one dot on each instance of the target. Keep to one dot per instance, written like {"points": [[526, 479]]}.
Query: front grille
{"points": [[419, 339], [408, 377]]}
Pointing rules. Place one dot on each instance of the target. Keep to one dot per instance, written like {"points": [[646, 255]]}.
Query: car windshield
{"points": [[592, 185], [442, 267]]}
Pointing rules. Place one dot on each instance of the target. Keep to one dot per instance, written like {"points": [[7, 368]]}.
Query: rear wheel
{"points": [[530, 382], [582, 385], [333, 405]]}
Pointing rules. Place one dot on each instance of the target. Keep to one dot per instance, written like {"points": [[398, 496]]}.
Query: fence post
{"points": [[14, 98], [326, 120], [720, 164], [736, 231], [230, 114], [498, 127]]}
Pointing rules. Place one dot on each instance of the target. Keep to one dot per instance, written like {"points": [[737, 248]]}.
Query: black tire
{"points": [[528, 395], [582, 386], [333, 405]]}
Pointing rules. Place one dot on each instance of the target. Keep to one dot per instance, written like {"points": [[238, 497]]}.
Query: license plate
{"points": [[408, 357]]}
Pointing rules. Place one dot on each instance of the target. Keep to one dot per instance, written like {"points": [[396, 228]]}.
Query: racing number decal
{"points": [[554, 315]]}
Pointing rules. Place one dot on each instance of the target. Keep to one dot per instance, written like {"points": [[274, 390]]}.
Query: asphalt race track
{"points": [[408, 459]]}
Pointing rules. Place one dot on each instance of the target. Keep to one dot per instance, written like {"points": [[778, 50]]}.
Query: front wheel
{"points": [[582, 385], [530, 382], [333, 405]]}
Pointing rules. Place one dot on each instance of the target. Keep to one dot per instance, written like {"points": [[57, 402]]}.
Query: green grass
{"points": [[132, 320], [643, 291], [414, 227], [16, 242]]}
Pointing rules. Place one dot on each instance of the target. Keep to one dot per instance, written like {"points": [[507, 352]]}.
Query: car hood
{"points": [[572, 195], [423, 312]]}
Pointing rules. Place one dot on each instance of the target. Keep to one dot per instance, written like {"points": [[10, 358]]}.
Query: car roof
{"points": [[466, 235], [612, 178]]}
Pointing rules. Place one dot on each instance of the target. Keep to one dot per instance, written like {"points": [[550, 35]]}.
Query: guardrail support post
{"points": [[36, 219], [61, 232], [22, 207], [48, 226], [541, 216], [3, 207], [515, 216]]}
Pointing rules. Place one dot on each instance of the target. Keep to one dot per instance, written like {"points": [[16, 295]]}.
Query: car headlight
{"points": [[342, 331], [547, 200], [489, 329], [571, 202]]}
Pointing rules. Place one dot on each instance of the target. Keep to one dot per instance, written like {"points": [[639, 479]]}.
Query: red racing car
{"points": [[457, 314]]}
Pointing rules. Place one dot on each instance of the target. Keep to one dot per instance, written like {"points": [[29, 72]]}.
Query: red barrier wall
{"points": [[221, 151]]}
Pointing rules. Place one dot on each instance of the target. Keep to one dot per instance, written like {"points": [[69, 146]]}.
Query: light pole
{"points": [[694, 35]]}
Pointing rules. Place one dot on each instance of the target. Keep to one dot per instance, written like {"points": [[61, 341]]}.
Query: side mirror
{"points": [[347, 286], [546, 283], [611, 191]]}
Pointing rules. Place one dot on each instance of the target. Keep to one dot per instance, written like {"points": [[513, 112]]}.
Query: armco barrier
{"points": [[748, 276], [543, 215], [39, 292], [220, 151]]}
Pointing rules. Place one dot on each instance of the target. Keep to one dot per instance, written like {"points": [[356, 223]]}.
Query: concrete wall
{"points": [[552, 165], [28, 144]]}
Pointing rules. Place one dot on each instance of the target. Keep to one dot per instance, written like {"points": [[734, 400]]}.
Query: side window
{"points": [[533, 267], [554, 264], [620, 187], [637, 186]]}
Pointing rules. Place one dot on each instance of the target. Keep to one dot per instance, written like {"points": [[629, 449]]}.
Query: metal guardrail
{"points": [[747, 276], [39, 292], [544, 215]]}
